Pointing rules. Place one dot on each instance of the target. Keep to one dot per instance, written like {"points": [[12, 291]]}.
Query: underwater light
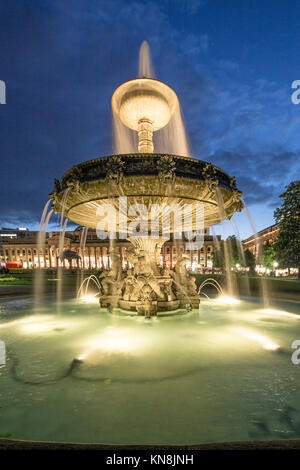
{"points": [[35, 327], [226, 299], [273, 311], [23, 321], [90, 299], [265, 342], [114, 332], [81, 357], [113, 340]]}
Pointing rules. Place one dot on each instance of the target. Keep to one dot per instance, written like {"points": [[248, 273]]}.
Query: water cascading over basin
{"points": [[167, 189]]}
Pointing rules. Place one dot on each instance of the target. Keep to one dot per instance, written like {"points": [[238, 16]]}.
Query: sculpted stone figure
{"points": [[180, 267], [57, 185], [184, 283], [146, 304], [130, 286], [112, 280], [167, 289]]}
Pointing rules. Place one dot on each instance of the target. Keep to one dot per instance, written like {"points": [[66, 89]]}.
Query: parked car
{"points": [[13, 265]]}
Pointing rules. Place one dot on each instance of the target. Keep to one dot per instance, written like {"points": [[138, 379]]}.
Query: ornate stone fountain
{"points": [[161, 183]]}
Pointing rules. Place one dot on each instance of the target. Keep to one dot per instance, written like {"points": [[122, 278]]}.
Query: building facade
{"points": [[21, 246], [254, 242]]}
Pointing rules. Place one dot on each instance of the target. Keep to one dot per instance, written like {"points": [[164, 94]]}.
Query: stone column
{"points": [[50, 260], [96, 261], [54, 256], [27, 257], [102, 257], [145, 134], [89, 253]]}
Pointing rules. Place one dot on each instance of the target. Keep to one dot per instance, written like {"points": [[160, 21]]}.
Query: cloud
{"points": [[190, 6], [258, 175], [61, 62]]}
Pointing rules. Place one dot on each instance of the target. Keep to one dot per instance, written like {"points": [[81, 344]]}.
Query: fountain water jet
{"points": [[85, 283], [145, 64], [39, 275], [264, 287], [60, 261], [212, 282], [242, 254], [223, 216]]}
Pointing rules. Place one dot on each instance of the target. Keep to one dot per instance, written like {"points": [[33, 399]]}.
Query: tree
{"points": [[268, 256], [69, 255], [233, 252], [250, 261], [287, 216], [218, 256]]}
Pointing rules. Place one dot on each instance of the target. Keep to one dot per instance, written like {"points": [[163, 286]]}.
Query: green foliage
{"points": [[21, 271], [218, 256], [288, 216], [250, 260], [231, 248], [234, 251], [268, 255]]}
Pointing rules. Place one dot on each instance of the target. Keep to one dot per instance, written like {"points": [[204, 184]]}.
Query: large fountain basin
{"points": [[145, 179], [203, 377]]}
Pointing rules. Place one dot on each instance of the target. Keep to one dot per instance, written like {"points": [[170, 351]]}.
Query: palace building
{"points": [[20, 246], [268, 234]]}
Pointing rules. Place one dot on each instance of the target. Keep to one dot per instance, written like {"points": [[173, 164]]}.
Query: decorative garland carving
{"points": [[166, 169], [210, 175], [237, 205], [114, 169], [73, 177], [232, 183]]}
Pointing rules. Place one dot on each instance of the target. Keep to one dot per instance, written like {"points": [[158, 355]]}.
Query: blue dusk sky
{"points": [[231, 63]]}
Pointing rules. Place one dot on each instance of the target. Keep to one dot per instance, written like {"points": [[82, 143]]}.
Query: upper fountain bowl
{"points": [[144, 99]]}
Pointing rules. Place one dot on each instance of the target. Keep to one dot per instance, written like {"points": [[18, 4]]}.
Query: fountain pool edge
{"points": [[283, 444]]}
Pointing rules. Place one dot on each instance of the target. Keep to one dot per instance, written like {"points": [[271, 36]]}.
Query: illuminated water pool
{"points": [[224, 374]]}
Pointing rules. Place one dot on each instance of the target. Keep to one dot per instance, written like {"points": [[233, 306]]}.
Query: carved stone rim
{"points": [[204, 170]]}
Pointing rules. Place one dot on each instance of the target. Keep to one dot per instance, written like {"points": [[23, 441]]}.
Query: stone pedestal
{"points": [[147, 287]]}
